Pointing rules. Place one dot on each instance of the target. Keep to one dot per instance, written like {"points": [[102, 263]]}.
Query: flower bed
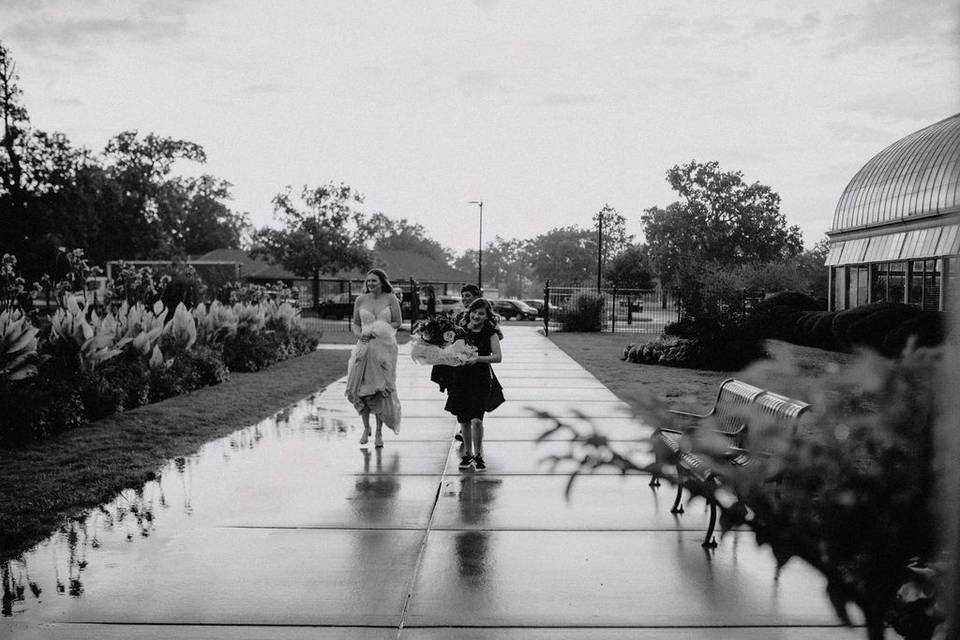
{"points": [[86, 363]]}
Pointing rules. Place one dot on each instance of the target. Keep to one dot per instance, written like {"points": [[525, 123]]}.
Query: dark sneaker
{"points": [[479, 464], [458, 438], [466, 462]]}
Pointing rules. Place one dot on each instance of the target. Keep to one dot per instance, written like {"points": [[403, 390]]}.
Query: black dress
{"points": [[473, 389]]}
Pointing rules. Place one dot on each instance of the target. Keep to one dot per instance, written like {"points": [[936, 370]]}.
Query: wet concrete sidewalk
{"points": [[289, 529]]}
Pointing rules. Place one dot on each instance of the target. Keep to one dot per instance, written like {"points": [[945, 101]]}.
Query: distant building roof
{"points": [[403, 265], [399, 264], [258, 268]]}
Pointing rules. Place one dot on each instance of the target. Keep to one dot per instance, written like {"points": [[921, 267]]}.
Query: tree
{"points": [[564, 255], [322, 232], [467, 263], [505, 265], [720, 218], [630, 268], [405, 236], [616, 240], [148, 214], [15, 125]]}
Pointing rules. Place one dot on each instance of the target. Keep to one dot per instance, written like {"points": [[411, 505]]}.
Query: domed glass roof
{"points": [[915, 176]]}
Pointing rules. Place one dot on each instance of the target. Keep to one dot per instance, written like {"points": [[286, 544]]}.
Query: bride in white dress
{"points": [[372, 371]]}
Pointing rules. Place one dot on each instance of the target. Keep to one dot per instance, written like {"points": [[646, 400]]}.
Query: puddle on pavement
{"points": [[55, 567]]}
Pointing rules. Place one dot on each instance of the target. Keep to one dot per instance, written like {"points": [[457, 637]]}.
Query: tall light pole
{"points": [[479, 247], [599, 249]]}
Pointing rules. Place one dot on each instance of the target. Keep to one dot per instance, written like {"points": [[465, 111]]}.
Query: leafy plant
{"points": [[215, 323], [95, 341], [131, 285], [584, 312], [39, 406], [848, 492], [18, 346]]}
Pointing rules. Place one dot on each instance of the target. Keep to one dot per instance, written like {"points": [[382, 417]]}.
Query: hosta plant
{"points": [[18, 346], [96, 341], [182, 327], [215, 323]]}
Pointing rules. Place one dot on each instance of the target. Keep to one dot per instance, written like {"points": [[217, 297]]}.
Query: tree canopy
{"points": [[323, 230], [630, 268], [122, 204], [720, 218], [616, 240], [405, 236], [565, 255]]}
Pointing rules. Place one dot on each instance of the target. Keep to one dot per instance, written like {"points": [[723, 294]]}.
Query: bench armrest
{"points": [[676, 431], [688, 414]]}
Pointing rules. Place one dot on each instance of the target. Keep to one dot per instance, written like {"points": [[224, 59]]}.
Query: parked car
{"points": [[512, 309], [337, 306], [445, 304], [537, 303]]}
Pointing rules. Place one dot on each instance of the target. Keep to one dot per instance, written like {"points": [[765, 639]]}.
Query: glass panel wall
{"points": [[888, 281], [839, 288], [858, 290], [924, 289]]}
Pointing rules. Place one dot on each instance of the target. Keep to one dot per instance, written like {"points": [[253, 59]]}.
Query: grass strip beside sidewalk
{"points": [[45, 482], [675, 387]]}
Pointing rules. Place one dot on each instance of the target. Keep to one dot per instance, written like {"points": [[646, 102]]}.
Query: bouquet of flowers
{"points": [[437, 340]]}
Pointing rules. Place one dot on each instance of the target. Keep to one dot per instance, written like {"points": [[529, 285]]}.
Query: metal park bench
{"points": [[738, 405]]}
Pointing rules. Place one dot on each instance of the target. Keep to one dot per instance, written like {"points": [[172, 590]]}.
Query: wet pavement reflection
{"points": [[290, 529]]}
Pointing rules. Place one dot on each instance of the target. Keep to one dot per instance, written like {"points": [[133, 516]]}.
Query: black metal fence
{"points": [[609, 309], [335, 313]]}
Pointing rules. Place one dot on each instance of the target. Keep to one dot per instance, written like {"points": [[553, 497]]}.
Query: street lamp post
{"points": [[479, 247], [599, 250]]}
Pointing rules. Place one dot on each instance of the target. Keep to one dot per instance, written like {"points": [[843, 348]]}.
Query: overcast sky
{"points": [[545, 110]]}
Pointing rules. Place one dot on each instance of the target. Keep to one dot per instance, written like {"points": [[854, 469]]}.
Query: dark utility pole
{"points": [[480, 248], [599, 249]]}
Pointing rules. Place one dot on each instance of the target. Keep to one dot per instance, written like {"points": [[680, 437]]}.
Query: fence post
{"points": [[546, 309], [414, 303], [613, 315]]}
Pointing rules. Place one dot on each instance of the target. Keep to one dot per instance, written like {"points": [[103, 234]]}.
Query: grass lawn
{"points": [[43, 483], [676, 388]]}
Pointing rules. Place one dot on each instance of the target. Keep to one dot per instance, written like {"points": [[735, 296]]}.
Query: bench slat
{"points": [[737, 405]]}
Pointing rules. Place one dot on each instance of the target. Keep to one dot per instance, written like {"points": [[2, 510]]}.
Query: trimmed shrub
{"points": [[686, 327], [843, 319], [869, 324], [776, 315], [812, 329], [927, 327], [795, 300], [583, 313], [821, 333]]}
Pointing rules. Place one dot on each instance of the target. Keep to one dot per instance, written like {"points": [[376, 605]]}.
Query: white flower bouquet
{"points": [[436, 341]]}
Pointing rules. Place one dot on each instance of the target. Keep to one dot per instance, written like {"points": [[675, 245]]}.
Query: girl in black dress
{"points": [[474, 389]]}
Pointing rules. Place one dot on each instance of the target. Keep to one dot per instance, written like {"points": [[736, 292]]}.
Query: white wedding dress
{"points": [[372, 371]]}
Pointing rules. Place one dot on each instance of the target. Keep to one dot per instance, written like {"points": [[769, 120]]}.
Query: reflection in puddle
{"points": [[476, 498], [97, 538]]}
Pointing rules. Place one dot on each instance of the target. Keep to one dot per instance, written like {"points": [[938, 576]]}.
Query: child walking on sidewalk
{"points": [[474, 389]]}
